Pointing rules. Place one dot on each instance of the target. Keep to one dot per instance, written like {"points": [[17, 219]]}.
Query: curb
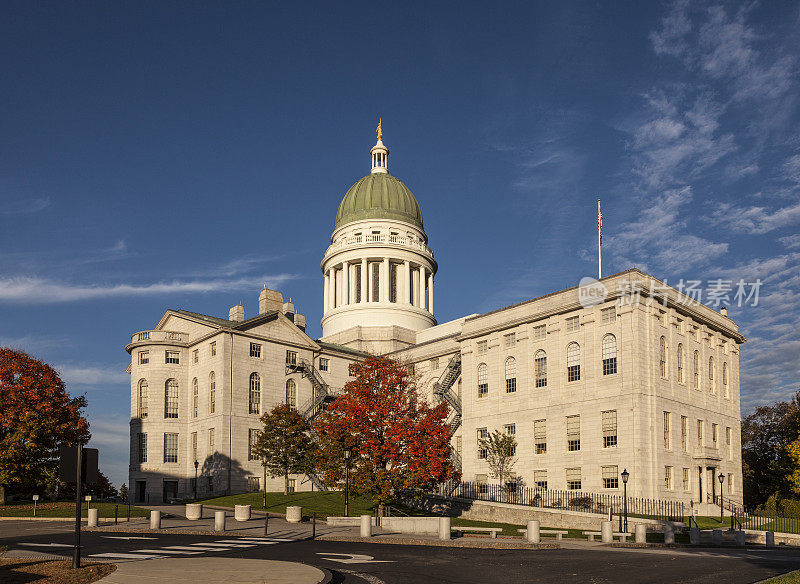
{"points": [[459, 543]]}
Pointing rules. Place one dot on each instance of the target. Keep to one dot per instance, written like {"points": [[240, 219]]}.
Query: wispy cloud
{"points": [[24, 206], [756, 220], [86, 375], [34, 290]]}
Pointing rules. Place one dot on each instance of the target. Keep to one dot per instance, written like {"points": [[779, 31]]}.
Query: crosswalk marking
{"points": [[167, 552], [127, 556], [191, 549], [231, 545], [48, 544]]}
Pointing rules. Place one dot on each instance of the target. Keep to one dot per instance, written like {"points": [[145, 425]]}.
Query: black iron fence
{"points": [[567, 500], [765, 518]]}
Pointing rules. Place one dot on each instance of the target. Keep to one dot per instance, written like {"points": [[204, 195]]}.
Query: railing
{"points": [[159, 336], [393, 239], [442, 389], [567, 500]]}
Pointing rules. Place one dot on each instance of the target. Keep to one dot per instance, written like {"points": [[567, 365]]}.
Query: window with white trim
{"points": [[540, 479], [483, 380], [608, 315], [170, 447], [171, 398], [194, 445], [511, 430], [291, 357], [253, 484], [141, 401], [483, 434], [291, 393], [324, 364], [610, 477], [195, 397], [172, 357], [667, 431], [195, 356], [141, 447], [573, 324], [730, 484], [668, 478], [255, 393], [573, 362], [511, 375], [662, 357], [540, 436], [252, 441], [539, 332], [509, 340], [482, 347], [684, 433], [696, 369], [255, 350], [573, 433], [212, 393], [712, 387], [573, 478], [540, 368], [609, 348], [213, 348], [144, 357], [211, 432], [681, 363], [609, 421], [700, 432], [725, 389], [728, 442], [714, 435], [434, 363], [685, 482]]}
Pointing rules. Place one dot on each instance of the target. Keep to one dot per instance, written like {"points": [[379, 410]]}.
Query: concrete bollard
{"points": [[770, 539], [92, 516], [607, 531], [219, 520], [366, 526], [241, 512], [694, 535], [155, 519], [294, 514], [716, 536], [640, 533], [444, 528], [669, 533], [740, 538], [532, 533], [194, 511]]}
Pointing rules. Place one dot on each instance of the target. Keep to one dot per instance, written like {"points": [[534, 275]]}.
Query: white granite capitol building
{"points": [[641, 377]]}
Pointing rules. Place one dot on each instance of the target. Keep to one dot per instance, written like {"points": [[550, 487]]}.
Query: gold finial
{"points": [[380, 132]]}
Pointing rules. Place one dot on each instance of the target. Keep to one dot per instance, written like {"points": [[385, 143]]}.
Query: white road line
{"points": [[231, 545], [127, 556], [67, 545], [167, 552], [193, 548], [119, 537], [264, 541]]}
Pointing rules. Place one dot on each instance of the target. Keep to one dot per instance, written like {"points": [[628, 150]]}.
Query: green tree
{"points": [[284, 445], [37, 415], [123, 492], [501, 450]]}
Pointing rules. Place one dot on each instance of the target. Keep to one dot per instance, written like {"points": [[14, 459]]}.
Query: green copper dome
{"points": [[379, 195]]}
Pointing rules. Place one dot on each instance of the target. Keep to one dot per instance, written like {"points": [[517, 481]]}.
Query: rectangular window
{"points": [[715, 435], [610, 477], [255, 350], [573, 479], [573, 324], [539, 332], [483, 380], [609, 419], [678, 324], [482, 480], [730, 484], [483, 434], [482, 347], [357, 281], [252, 438], [540, 436], [393, 268], [172, 357], [170, 447], [540, 368], [540, 479], [194, 445], [195, 356], [171, 399], [292, 485], [608, 314], [511, 430], [324, 364], [685, 479], [434, 363], [213, 348], [667, 431], [211, 433], [141, 448], [291, 357], [684, 433], [728, 441], [668, 478], [700, 432], [144, 357], [253, 484], [509, 340], [573, 433], [142, 399]]}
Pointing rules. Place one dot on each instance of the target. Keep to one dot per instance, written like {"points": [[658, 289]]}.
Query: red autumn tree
{"points": [[399, 443], [37, 415]]}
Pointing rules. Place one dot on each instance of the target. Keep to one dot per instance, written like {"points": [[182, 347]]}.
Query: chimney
{"points": [[236, 313], [723, 311], [300, 321], [269, 300], [288, 310]]}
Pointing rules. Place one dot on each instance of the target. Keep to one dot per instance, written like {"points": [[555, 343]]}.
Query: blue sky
{"points": [[181, 155]]}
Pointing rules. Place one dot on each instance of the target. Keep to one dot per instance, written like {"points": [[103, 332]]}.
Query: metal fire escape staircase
{"points": [[443, 390], [322, 394]]}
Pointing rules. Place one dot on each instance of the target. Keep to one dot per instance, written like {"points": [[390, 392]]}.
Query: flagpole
{"points": [[599, 243]]}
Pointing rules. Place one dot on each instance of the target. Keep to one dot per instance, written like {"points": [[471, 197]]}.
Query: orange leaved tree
{"points": [[399, 443], [36, 416]]}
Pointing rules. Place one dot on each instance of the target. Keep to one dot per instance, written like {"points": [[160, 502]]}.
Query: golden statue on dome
{"points": [[378, 129]]}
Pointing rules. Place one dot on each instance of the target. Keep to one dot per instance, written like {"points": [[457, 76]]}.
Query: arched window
{"points": [[212, 393], [511, 375], [540, 368], [609, 354], [573, 362], [141, 399], [696, 370], [725, 379], [195, 397], [711, 374], [662, 357], [681, 363], [291, 393], [171, 398], [255, 393], [483, 380]]}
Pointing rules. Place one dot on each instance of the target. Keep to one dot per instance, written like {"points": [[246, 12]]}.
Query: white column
{"points": [[420, 291], [345, 283], [337, 290], [363, 280], [325, 287], [430, 292], [385, 280], [406, 296]]}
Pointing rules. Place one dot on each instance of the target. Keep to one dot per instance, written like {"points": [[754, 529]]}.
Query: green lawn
{"points": [[710, 522], [790, 578], [65, 509], [322, 503]]}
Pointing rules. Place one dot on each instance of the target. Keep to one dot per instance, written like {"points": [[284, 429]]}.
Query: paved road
{"points": [[358, 563]]}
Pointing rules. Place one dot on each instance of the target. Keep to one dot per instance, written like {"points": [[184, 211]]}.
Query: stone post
{"points": [[532, 532], [770, 542], [694, 535], [607, 531], [740, 538], [716, 536], [444, 528], [93, 517], [669, 533], [366, 526], [155, 519], [640, 533], [294, 514], [219, 520]]}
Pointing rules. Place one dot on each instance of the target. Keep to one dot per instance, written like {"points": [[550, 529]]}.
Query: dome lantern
{"points": [[379, 153]]}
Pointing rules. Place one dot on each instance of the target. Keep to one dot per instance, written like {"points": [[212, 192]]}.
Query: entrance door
{"points": [[170, 490], [141, 490]]}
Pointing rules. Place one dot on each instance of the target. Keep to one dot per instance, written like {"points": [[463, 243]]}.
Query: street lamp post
{"points": [[721, 478], [264, 463], [196, 464], [346, 455], [625, 475]]}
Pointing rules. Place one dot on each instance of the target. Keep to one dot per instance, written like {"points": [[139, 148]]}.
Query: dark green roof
{"points": [[379, 196]]}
